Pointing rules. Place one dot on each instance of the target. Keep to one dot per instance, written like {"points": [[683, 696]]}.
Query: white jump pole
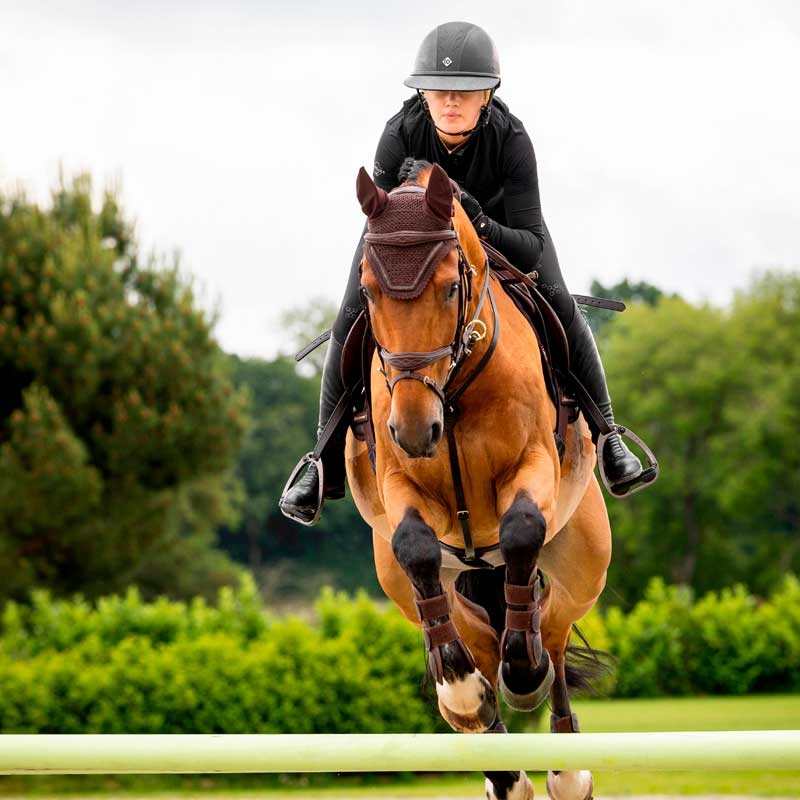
{"points": [[208, 753]]}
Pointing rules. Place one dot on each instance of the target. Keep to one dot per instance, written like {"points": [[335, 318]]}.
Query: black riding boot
{"points": [[302, 501], [621, 465]]}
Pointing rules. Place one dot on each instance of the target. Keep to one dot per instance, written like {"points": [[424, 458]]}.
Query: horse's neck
{"points": [[515, 341]]}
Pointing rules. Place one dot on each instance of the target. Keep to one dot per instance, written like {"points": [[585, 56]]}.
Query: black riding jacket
{"points": [[497, 166]]}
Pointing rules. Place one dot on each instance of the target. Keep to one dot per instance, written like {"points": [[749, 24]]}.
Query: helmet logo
{"points": [[447, 61]]}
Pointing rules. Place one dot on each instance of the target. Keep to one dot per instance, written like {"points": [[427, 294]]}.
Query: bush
{"points": [[122, 665], [125, 666], [649, 643], [46, 624]]}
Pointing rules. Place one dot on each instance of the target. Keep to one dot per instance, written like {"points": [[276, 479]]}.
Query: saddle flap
{"points": [[351, 366], [356, 364]]}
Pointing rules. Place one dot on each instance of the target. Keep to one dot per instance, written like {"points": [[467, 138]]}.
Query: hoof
{"points": [[531, 700], [522, 789], [468, 705], [570, 785]]}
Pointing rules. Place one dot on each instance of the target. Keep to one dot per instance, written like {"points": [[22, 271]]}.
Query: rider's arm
{"points": [[522, 238]]}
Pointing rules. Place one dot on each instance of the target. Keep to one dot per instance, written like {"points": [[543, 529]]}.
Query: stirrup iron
{"points": [[633, 485], [308, 459]]}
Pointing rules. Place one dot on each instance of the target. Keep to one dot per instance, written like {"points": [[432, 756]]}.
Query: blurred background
{"points": [[177, 218]]}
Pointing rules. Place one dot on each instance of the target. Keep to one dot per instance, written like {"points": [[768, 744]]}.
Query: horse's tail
{"points": [[584, 665]]}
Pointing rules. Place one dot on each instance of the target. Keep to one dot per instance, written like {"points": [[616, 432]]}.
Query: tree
{"points": [[761, 485], [338, 549], [117, 414], [714, 393]]}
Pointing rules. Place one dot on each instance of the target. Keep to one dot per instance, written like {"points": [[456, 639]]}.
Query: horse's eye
{"points": [[365, 295], [452, 290]]}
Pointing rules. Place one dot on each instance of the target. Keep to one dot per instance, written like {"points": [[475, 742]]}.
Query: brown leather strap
{"points": [[524, 621], [437, 635], [568, 724], [518, 595], [410, 238], [432, 607]]}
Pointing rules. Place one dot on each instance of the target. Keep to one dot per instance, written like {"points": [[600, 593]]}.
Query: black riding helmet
{"points": [[459, 57], [456, 55]]}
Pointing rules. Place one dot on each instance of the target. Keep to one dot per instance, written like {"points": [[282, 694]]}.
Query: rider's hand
{"points": [[471, 206], [473, 210]]}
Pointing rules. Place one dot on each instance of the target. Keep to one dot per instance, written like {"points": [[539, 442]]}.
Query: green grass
{"points": [[765, 712], [680, 714], [693, 714]]}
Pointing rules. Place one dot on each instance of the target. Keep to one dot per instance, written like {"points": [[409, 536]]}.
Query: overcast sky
{"points": [[667, 134]]}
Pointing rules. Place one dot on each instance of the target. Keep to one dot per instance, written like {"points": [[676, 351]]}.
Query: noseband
{"points": [[465, 335]]}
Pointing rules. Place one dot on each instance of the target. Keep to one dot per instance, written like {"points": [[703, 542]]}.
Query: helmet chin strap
{"points": [[483, 117]]}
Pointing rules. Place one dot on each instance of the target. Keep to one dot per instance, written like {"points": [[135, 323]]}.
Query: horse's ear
{"points": [[439, 194], [372, 198]]}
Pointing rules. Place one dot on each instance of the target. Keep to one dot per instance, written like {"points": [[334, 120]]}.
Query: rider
{"points": [[456, 120]]}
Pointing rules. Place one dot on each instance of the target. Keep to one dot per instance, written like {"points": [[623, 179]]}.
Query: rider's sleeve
{"points": [[390, 154], [522, 238]]}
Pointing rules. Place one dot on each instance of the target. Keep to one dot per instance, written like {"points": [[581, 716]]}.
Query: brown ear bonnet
{"points": [[405, 245]]}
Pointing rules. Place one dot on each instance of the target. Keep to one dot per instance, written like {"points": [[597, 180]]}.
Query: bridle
{"points": [[467, 333]]}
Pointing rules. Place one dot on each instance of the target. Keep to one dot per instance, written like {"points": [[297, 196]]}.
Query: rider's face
{"points": [[453, 112]]}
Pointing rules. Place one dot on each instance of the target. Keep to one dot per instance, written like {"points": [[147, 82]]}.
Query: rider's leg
{"points": [[302, 500], [621, 465]]}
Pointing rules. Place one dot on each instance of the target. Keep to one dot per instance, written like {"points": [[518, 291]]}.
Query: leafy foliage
{"points": [[339, 549], [714, 394], [124, 666], [117, 414]]}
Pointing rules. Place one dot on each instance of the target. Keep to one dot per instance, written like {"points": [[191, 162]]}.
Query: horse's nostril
{"points": [[436, 432], [393, 431]]}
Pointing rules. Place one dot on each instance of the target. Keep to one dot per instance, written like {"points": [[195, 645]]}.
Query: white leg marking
{"points": [[465, 696], [570, 785], [521, 790]]}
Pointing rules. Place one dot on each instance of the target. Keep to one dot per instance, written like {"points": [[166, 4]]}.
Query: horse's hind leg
{"points": [[575, 562], [467, 700], [526, 672], [507, 785], [480, 636], [567, 784]]}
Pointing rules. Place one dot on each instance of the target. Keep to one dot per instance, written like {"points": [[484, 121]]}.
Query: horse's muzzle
{"points": [[417, 438]]}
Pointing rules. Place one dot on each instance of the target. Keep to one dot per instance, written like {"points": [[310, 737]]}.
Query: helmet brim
{"points": [[454, 82]]}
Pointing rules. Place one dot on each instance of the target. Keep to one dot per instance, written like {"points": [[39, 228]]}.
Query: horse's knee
{"points": [[522, 534], [417, 550]]}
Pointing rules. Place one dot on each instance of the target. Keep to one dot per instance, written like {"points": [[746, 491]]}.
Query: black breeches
{"points": [[551, 282], [551, 285], [351, 302]]}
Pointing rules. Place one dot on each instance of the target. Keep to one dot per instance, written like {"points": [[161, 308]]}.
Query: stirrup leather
{"points": [[633, 485], [308, 459]]}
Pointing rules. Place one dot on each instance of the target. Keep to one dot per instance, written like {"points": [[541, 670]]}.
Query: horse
{"points": [[468, 501]]}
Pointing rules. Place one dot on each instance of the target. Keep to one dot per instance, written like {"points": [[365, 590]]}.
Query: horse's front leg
{"points": [[466, 698], [526, 671]]}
